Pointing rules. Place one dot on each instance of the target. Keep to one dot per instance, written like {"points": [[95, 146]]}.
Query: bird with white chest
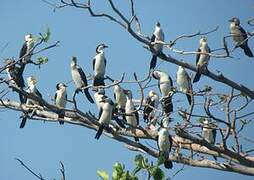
{"points": [[208, 131], [132, 116], [202, 57], [32, 89], [105, 115], [99, 65], [165, 85], [184, 81], [26, 50], [61, 98], [239, 36], [157, 38], [120, 97], [79, 79], [164, 143]]}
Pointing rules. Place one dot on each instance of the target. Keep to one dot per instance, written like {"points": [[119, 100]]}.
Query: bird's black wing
{"points": [[198, 55], [245, 36], [153, 38], [214, 135], [94, 63], [100, 112], [23, 50], [137, 117], [37, 92], [55, 97], [170, 81], [105, 61], [66, 97], [82, 74]]}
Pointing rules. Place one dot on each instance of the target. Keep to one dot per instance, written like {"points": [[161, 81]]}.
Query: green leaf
{"points": [[42, 60], [103, 175], [136, 170], [157, 173], [46, 36], [139, 161], [118, 170]]}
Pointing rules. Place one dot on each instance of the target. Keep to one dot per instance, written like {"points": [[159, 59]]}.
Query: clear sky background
{"points": [[42, 145]]}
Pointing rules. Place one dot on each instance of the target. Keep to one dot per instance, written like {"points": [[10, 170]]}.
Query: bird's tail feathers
{"points": [[23, 122], [247, 50], [88, 96], [98, 81], [189, 98], [197, 77], [119, 122], [99, 132], [168, 164], [153, 62], [136, 139]]}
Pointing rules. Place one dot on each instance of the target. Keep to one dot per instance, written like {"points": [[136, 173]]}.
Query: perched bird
{"points": [[202, 59], [184, 81], [120, 97], [165, 85], [158, 35], [15, 76], [164, 142], [106, 115], [132, 116], [151, 104], [26, 50], [61, 98], [99, 96], [79, 79], [32, 89], [99, 65], [209, 132], [239, 36]]}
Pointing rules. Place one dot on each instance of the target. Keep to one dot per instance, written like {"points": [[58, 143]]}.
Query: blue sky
{"points": [[42, 145]]}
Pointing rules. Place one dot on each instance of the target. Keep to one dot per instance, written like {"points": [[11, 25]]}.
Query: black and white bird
{"points": [[165, 85], [209, 132], [99, 96], [239, 36], [132, 116], [61, 98], [106, 115], [151, 104], [79, 79], [202, 60], [32, 89], [26, 50], [120, 97], [184, 81], [158, 36], [99, 65], [15, 76], [164, 142]]}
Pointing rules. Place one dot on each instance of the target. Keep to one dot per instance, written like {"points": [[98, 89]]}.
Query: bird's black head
{"points": [[158, 24], [235, 20], [155, 75], [60, 85], [100, 47]]}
